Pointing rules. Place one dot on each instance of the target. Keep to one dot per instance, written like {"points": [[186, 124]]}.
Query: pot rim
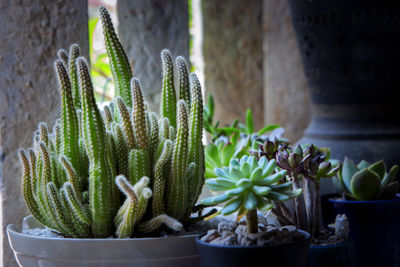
{"points": [[397, 199], [306, 238], [341, 244], [14, 230]]}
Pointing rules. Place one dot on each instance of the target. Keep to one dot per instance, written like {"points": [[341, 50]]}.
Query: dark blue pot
{"points": [[338, 255], [284, 255], [374, 229]]}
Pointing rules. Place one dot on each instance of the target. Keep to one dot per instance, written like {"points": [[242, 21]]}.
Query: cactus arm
{"points": [[72, 176], [32, 163], [183, 80], [82, 229], [144, 197], [110, 145], [44, 133], [27, 187], [64, 224], [69, 119], [44, 179], [63, 57], [101, 186], [126, 123], [177, 185], [84, 163], [196, 151], [126, 226], [119, 63], [108, 117], [73, 75], [158, 207], [148, 124], [79, 116], [75, 204], [164, 129], [191, 175], [153, 138], [138, 114], [168, 94], [135, 204], [155, 223], [57, 138], [172, 132], [121, 148], [138, 163], [56, 172]]}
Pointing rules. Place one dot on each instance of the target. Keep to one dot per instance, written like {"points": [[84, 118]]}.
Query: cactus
{"points": [[367, 181], [73, 177], [248, 185]]}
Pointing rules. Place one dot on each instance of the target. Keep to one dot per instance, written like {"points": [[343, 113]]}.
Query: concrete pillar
{"points": [[31, 32], [286, 97], [232, 49], [147, 27]]}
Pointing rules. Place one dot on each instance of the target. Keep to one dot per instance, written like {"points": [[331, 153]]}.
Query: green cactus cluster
{"points": [[74, 175], [249, 185], [366, 181]]}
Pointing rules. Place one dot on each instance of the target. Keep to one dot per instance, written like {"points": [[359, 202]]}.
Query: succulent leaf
{"points": [[348, 170], [365, 184], [379, 168]]}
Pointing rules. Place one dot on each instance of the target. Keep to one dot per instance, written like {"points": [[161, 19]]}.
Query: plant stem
{"points": [[252, 221], [281, 217], [308, 195], [300, 206], [316, 210], [286, 212]]}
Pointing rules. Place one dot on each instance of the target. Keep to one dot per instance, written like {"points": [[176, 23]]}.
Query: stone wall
{"points": [[147, 27], [232, 49], [31, 32], [286, 97]]}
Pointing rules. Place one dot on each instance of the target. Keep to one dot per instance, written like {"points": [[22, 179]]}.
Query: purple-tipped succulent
{"points": [[310, 162]]}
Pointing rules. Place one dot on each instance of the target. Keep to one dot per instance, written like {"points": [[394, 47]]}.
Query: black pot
{"points": [[374, 229], [337, 255], [350, 54], [291, 254]]}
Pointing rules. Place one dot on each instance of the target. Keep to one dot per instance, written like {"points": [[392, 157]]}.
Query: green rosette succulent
{"points": [[248, 185], [219, 153], [366, 181]]}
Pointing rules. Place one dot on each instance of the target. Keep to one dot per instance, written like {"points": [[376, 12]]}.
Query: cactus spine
{"points": [[73, 176]]}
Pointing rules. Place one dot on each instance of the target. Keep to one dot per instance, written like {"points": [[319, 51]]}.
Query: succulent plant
{"points": [[249, 185], [305, 167], [246, 129], [367, 181], [219, 153], [213, 128], [72, 175], [269, 148]]}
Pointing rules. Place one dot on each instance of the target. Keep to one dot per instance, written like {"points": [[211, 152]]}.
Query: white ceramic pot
{"points": [[29, 250]]}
